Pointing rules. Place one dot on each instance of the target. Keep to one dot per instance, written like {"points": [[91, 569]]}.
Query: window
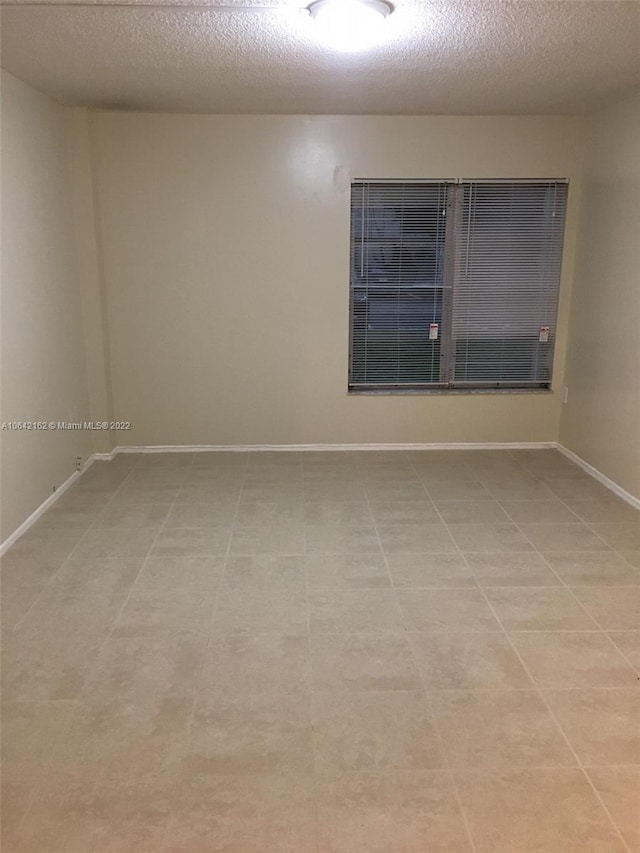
{"points": [[454, 284]]}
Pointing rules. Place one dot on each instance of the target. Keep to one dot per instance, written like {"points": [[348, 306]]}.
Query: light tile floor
{"points": [[429, 652]]}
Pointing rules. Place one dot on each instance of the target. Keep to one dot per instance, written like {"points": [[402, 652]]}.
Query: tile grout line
{"points": [[422, 691], [33, 787], [535, 685], [600, 628], [553, 716], [314, 748], [55, 751], [541, 693], [70, 554], [432, 716], [393, 587], [212, 617]]}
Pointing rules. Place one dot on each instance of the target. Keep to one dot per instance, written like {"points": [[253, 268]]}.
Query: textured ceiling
{"points": [[262, 56]]}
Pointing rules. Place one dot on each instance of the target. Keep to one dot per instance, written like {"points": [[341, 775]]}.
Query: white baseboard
{"points": [[598, 475], [258, 448], [104, 457], [35, 515]]}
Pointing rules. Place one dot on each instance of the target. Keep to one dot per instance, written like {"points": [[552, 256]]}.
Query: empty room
{"points": [[320, 428]]}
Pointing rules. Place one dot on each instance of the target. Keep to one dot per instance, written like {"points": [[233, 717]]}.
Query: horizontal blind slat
{"points": [[506, 280], [397, 255]]}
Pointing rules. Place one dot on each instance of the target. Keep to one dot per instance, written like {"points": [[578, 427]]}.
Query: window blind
{"points": [[508, 256], [397, 280], [454, 284]]}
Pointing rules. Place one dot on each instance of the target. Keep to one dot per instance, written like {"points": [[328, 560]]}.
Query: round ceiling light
{"points": [[350, 25]]}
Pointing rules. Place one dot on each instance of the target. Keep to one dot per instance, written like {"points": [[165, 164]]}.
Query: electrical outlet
{"points": [[565, 394], [78, 463]]}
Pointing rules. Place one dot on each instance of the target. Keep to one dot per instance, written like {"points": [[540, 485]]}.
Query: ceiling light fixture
{"points": [[350, 25]]}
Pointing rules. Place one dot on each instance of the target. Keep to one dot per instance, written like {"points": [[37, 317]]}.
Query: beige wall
{"points": [[225, 245], [601, 421], [43, 366]]}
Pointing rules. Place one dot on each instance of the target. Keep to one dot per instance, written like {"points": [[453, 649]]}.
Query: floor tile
{"points": [[75, 514], [107, 818], [221, 460], [347, 571], [353, 610], [518, 489], [122, 738], [166, 575], [455, 489], [199, 515], [530, 811], [223, 495], [594, 568], [539, 609], [632, 557], [261, 513], [16, 600], [245, 663], [266, 571], [471, 512], [261, 611], [601, 725], [150, 494], [408, 538], [398, 812], [430, 570], [446, 610], [339, 490], [48, 656], [467, 661], [354, 814], [30, 733], [539, 512], [156, 614], [135, 669], [578, 488], [450, 483], [127, 543], [619, 788], [166, 460], [390, 512], [363, 662], [425, 813], [623, 536], [610, 509], [374, 731], [272, 491], [142, 515], [515, 569], [109, 578], [573, 659], [629, 644], [238, 814], [22, 569], [338, 512], [489, 537], [613, 608], [409, 491], [16, 799], [341, 539], [498, 729], [247, 733], [191, 542], [49, 545], [563, 537]]}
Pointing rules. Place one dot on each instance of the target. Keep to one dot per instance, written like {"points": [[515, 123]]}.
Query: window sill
{"points": [[447, 392]]}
